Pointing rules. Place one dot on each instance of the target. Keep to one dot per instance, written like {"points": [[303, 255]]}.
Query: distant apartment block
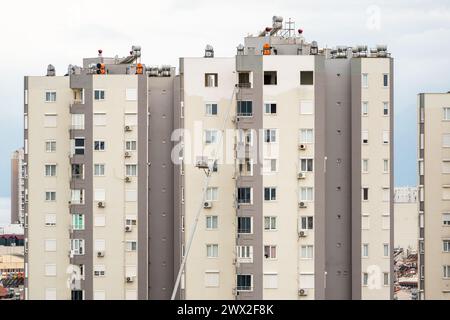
{"points": [[406, 218], [18, 192], [297, 141], [434, 195]]}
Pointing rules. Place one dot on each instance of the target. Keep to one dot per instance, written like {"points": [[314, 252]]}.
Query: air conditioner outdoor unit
{"points": [[127, 155], [302, 147], [207, 205], [127, 179], [235, 292], [128, 228], [101, 204], [302, 292], [71, 254], [301, 175], [129, 279], [302, 205], [127, 128], [302, 233], [100, 253]]}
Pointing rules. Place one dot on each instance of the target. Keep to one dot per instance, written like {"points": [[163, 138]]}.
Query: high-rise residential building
{"points": [[434, 195], [100, 180], [299, 142], [18, 196], [406, 219], [278, 160]]}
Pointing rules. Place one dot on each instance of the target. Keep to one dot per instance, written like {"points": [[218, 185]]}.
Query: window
{"points": [[270, 194], [244, 80], [365, 80], [306, 252], [244, 225], [386, 250], [50, 245], [270, 223], [270, 165], [306, 107], [99, 195], [50, 219], [306, 78], [446, 271], [50, 96], [306, 136], [270, 135], [365, 279], [270, 77], [212, 222], [270, 281], [365, 137], [306, 223], [365, 250], [244, 195], [50, 195], [99, 119], [446, 245], [77, 171], [77, 121], [386, 278], [131, 94], [270, 252], [131, 245], [131, 119], [130, 195], [50, 270], [211, 109], [99, 170], [365, 165], [245, 136], [99, 145], [365, 194], [446, 166], [306, 280], [246, 167], [131, 170], [270, 108], [306, 165], [244, 282], [447, 113], [50, 120], [385, 137], [385, 165], [130, 145], [99, 95], [78, 221], [212, 250], [212, 279], [245, 254], [446, 219], [306, 194], [244, 108], [50, 170], [385, 222], [77, 246], [50, 146], [77, 196], [99, 270], [386, 194], [100, 220], [211, 80], [50, 293], [365, 108], [385, 80], [211, 136], [212, 194], [79, 146], [385, 108]]}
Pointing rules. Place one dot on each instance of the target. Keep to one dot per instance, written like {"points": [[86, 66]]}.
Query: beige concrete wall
{"points": [[406, 225]]}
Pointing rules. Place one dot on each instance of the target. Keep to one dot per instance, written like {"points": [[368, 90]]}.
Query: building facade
{"points": [[434, 195], [94, 138], [299, 202], [406, 219], [18, 175]]}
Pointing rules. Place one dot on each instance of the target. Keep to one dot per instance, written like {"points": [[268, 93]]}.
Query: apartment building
{"points": [[434, 195], [18, 175], [406, 219], [298, 143], [97, 149]]}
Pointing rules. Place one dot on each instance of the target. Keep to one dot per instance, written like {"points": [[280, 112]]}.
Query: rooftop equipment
{"points": [[277, 24], [209, 51], [51, 71], [314, 48], [240, 49]]}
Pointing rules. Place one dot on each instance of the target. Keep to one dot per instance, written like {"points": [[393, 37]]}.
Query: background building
{"points": [[18, 195], [302, 207], [406, 218], [434, 195]]}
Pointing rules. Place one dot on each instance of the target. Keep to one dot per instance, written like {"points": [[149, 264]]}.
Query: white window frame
{"points": [[307, 252], [131, 170], [50, 146], [212, 194], [99, 170], [365, 108], [305, 134], [50, 96], [212, 222], [209, 109], [212, 251], [270, 223], [101, 95], [309, 192]]}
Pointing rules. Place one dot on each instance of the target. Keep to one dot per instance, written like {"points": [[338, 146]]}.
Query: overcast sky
{"points": [[36, 33]]}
